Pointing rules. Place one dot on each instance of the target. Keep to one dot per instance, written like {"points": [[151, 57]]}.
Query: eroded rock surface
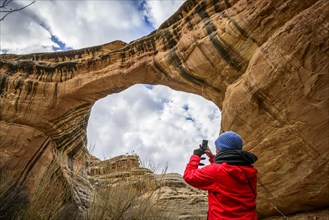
{"points": [[264, 63]]}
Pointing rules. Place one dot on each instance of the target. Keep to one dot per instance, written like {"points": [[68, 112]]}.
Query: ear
{"points": [[217, 150]]}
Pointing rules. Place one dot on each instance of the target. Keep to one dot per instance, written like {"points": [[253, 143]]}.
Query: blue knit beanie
{"points": [[229, 140]]}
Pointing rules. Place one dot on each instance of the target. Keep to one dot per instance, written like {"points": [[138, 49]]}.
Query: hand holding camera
{"points": [[201, 150]]}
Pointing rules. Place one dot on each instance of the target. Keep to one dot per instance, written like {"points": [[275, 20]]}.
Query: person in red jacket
{"points": [[230, 178]]}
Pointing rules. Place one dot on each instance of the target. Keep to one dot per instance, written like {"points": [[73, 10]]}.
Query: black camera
{"points": [[204, 145]]}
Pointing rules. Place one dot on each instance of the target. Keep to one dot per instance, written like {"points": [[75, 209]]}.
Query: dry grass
{"points": [[12, 200], [3, 96], [51, 196], [130, 199]]}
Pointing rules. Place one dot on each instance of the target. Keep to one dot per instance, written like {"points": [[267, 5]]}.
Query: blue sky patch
{"points": [[144, 9], [189, 118], [186, 107], [61, 44], [148, 86]]}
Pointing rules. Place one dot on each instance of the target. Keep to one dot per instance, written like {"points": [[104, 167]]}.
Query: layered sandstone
{"points": [[264, 63]]}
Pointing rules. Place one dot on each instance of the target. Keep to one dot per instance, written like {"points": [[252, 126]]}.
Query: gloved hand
{"points": [[199, 152]]}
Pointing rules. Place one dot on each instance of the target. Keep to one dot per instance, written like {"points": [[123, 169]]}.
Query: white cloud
{"points": [[87, 23], [159, 124], [159, 11], [80, 24], [20, 34]]}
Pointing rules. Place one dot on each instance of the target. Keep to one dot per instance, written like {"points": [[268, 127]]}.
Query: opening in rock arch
{"points": [[155, 122]]}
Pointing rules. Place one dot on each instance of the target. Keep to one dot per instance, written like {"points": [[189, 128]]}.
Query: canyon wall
{"points": [[264, 63]]}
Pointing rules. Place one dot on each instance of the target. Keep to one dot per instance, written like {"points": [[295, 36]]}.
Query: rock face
{"points": [[264, 63]]}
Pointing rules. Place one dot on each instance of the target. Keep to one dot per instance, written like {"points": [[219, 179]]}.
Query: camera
{"points": [[204, 145]]}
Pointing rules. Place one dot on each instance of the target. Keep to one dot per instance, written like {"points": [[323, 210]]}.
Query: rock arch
{"points": [[264, 63]]}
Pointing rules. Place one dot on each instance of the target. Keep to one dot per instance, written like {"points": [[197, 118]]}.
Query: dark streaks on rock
{"points": [[168, 41], [217, 7], [18, 83], [227, 54], [200, 9], [173, 57], [29, 87], [32, 162], [123, 56], [238, 27], [69, 54], [91, 63], [68, 137], [3, 84], [186, 7], [55, 94], [162, 70], [264, 102], [189, 23], [176, 32], [227, 3]]}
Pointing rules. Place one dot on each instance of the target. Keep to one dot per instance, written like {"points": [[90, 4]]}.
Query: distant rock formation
{"points": [[168, 190], [264, 63], [117, 164]]}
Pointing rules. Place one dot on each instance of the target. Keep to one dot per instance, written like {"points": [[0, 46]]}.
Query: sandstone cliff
{"points": [[264, 63]]}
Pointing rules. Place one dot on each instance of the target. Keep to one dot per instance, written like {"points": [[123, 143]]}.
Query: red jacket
{"points": [[230, 196]]}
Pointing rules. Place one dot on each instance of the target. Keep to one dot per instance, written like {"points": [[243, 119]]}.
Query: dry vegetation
{"points": [[12, 201], [137, 198], [51, 195], [130, 199]]}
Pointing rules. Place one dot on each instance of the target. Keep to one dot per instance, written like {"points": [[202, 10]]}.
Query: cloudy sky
{"points": [[159, 124], [49, 25]]}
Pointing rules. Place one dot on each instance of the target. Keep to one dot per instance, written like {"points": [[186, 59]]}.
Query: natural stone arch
{"points": [[265, 64]]}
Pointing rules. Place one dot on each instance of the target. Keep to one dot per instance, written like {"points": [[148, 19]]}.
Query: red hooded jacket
{"points": [[230, 195]]}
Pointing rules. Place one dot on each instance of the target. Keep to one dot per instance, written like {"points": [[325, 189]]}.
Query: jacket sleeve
{"points": [[199, 178], [212, 159]]}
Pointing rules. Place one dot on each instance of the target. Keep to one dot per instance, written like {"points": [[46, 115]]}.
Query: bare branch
{"points": [[6, 2], [5, 5]]}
